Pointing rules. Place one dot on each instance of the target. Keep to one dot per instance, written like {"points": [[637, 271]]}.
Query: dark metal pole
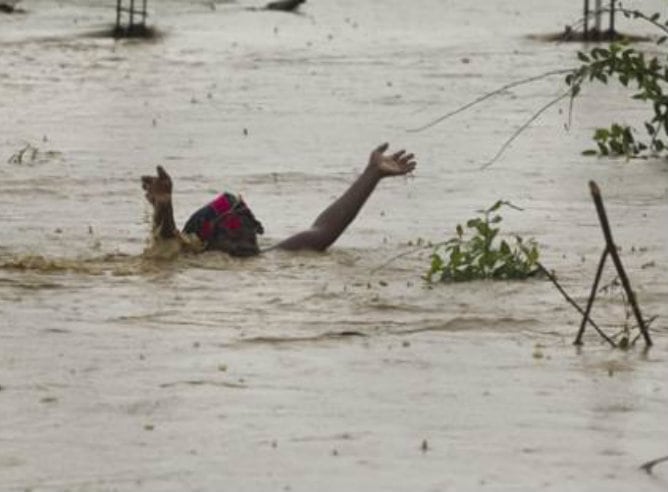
{"points": [[118, 14], [586, 19], [143, 14], [612, 19], [132, 13], [598, 14]]}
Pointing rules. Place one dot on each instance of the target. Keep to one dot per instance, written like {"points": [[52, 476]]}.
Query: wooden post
{"points": [[586, 20], [612, 19]]}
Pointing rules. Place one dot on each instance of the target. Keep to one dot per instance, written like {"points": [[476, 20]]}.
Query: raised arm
{"points": [[159, 194], [331, 223]]}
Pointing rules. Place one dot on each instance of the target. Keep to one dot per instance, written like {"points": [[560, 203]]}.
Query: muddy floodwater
{"points": [[335, 371]]}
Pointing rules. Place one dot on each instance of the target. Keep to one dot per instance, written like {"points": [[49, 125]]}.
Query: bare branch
{"points": [[651, 464], [524, 127], [487, 96], [570, 300]]}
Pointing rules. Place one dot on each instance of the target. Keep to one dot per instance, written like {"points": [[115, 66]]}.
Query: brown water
{"points": [[305, 371]]}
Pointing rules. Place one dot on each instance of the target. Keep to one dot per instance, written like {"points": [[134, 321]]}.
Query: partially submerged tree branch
{"points": [[524, 126], [651, 464], [570, 300], [592, 296], [487, 96]]}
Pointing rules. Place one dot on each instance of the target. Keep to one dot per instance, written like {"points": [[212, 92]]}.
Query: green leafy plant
{"points": [[482, 254], [630, 67], [647, 70], [616, 141]]}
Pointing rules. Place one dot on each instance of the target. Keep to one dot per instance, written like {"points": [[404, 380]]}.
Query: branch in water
{"points": [[570, 300], [487, 96], [524, 127], [651, 464]]}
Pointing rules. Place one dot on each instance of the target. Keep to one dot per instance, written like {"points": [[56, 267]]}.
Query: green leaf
{"points": [[616, 147], [603, 149], [495, 207], [601, 134], [483, 256], [472, 223], [589, 152]]}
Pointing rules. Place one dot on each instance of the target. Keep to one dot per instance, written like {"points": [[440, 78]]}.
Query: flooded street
{"points": [[303, 371]]}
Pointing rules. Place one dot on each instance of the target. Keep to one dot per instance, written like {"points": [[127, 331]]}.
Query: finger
{"points": [[146, 181], [162, 173], [382, 147], [407, 158], [397, 155]]}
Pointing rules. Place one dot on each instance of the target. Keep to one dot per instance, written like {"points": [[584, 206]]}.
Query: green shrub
{"points": [[482, 254]]}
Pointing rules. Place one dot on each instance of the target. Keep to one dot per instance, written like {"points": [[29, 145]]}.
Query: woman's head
{"points": [[226, 224]]}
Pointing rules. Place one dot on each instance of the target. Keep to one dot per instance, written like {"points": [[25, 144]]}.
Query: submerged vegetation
{"points": [[32, 155], [478, 253], [482, 254]]}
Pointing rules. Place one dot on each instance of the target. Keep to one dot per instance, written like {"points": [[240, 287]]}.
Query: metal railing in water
{"points": [[130, 17], [597, 14]]}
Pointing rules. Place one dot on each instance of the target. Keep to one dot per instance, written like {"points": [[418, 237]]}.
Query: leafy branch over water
{"points": [[628, 66], [619, 62]]}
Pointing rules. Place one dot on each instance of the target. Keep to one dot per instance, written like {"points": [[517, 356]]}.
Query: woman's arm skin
{"points": [[328, 226], [331, 223]]}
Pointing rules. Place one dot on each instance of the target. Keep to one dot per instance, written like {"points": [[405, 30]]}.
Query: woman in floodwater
{"points": [[227, 224]]}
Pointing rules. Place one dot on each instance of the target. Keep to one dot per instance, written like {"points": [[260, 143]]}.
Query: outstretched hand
{"points": [[158, 188], [396, 164]]}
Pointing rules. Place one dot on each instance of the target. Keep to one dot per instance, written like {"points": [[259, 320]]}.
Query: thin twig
{"points": [[570, 111], [524, 127], [651, 464], [487, 96], [573, 303], [401, 255], [592, 296], [648, 324]]}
